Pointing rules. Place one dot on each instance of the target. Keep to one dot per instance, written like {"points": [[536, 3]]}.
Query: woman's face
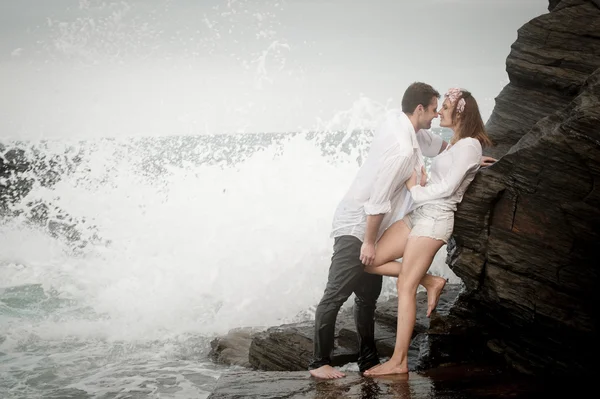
{"points": [[445, 114]]}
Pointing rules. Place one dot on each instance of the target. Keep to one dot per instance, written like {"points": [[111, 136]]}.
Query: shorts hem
{"points": [[443, 239]]}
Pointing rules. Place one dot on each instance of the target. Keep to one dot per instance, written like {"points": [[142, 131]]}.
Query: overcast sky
{"points": [[72, 68]]}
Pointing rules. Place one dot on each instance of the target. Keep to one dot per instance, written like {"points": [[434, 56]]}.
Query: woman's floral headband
{"points": [[453, 94]]}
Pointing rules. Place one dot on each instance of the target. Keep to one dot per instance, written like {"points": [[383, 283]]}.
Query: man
{"points": [[370, 206]]}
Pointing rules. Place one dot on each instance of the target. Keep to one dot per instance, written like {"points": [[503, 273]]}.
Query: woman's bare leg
{"points": [[418, 256], [390, 247]]}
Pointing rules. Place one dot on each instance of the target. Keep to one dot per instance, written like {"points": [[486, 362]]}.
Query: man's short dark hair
{"points": [[418, 93]]}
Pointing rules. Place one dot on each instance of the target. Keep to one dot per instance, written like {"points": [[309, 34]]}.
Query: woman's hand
{"points": [[487, 161], [412, 181]]}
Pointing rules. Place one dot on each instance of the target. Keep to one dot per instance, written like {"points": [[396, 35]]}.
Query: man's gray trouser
{"points": [[347, 276]]}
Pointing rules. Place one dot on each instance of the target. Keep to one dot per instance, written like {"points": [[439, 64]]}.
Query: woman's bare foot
{"points": [[372, 369], [434, 290], [389, 367], [326, 372]]}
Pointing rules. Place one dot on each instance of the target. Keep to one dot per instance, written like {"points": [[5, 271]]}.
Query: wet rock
{"points": [[290, 347], [233, 348], [444, 382], [527, 230], [548, 64]]}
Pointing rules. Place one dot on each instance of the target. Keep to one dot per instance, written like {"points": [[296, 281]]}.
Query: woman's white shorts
{"points": [[430, 221]]}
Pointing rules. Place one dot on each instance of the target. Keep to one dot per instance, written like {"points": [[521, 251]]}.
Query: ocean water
{"points": [[127, 256], [150, 214]]}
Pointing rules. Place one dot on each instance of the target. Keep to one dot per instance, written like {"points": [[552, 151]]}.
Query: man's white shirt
{"points": [[379, 186]]}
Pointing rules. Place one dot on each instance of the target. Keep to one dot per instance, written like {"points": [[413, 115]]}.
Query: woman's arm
{"points": [[465, 157]]}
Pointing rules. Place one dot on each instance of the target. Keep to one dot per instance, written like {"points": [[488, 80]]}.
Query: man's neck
{"points": [[413, 120]]}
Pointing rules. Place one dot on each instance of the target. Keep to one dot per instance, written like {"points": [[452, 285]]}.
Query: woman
{"points": [[425, 229]]}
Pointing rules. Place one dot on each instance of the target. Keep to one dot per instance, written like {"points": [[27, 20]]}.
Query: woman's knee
{"points": [[404, 284]]}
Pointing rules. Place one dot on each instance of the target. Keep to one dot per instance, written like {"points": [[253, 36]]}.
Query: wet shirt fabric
{"points": [[378, 188]]}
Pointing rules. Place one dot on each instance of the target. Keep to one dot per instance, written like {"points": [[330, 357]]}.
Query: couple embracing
{"points": [[368, 240]]}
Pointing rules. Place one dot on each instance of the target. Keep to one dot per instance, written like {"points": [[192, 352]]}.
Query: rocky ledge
{"points": [[436, 341], [451, 382], [446, 360]]}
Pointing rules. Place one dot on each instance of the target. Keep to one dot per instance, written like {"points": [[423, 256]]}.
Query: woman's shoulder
{"points": [[469, 142], [470, 147]]}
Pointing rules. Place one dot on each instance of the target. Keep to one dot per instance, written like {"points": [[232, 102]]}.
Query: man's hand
{"points": [[367, 254], [423, 176], [410, 183], [487, 161]]}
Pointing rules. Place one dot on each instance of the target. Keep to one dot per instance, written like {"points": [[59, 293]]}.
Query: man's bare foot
{"points": [[326, 372], [387, 368], [433, 293]]}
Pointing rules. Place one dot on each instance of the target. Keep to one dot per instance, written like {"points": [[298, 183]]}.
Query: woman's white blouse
{"points": [[450, 174]]}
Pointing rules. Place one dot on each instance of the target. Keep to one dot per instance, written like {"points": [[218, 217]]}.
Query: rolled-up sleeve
{"points": [[385, 184], [464, 159], [430, 143]]}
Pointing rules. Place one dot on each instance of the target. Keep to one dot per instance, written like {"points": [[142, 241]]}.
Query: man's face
{"points": [[428, 114]]}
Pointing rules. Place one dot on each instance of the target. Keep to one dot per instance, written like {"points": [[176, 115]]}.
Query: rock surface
{"points": [[436, 341], [548, 64], [444, 382], [233, 348], [527, 230]]}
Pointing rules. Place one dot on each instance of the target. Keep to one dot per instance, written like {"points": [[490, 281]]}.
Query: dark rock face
{"points": [[548, 64], [527, 230]]}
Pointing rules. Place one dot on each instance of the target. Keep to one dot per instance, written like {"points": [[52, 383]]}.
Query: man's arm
{"points": [[367, 251], [444, 145], [430, 143], [379, 202], [465, 158]]}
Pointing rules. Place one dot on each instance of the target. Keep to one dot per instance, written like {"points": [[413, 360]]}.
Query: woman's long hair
{"points": [[469, 122]]}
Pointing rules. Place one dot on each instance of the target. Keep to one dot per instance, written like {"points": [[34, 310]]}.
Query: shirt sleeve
{"points": [[430, 143], [465, 158], [380, 199]]}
